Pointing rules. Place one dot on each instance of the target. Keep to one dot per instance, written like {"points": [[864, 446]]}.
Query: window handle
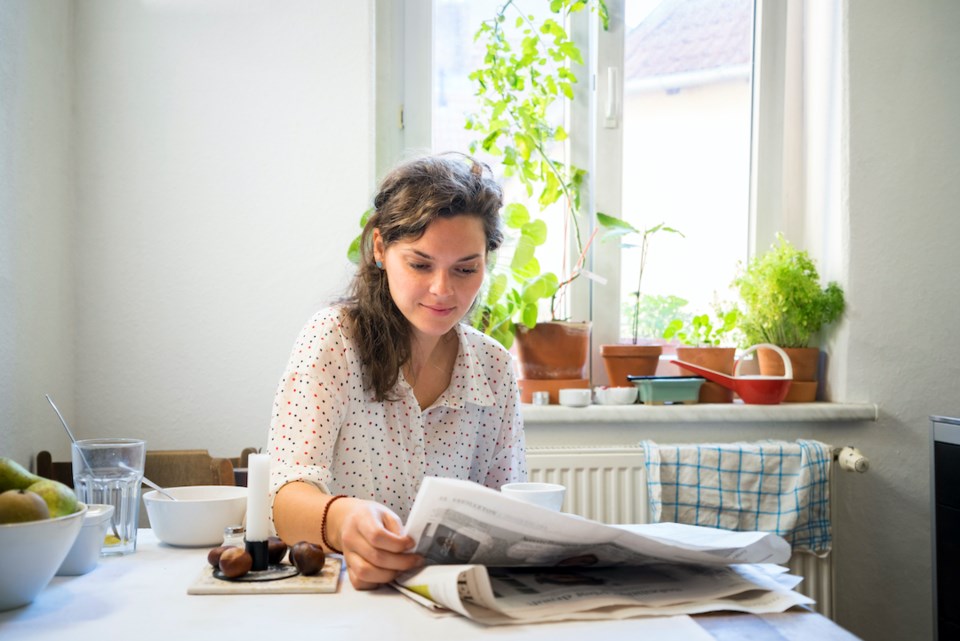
{"points": [[611, 114]]}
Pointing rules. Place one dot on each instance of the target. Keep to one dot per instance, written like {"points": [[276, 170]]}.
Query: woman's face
{"points": [[435, 278]]}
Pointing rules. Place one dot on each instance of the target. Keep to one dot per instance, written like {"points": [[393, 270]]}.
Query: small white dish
{"points": [[575, 397], [615, 395], [85, 552]]}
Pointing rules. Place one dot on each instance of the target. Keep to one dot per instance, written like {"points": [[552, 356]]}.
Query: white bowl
{"points": [[199, 514], [574, 397], [615, 395], [30, 554], [85, 552]]}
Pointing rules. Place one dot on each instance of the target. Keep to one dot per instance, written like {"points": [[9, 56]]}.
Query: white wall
{"points": [[224, 153], [903, 92], [37, 348]]}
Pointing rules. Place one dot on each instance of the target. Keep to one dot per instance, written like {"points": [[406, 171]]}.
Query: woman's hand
{"points": [[372, 541]]}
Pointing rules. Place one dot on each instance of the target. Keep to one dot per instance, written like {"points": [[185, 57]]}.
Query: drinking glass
{"points": [[110, 471]]}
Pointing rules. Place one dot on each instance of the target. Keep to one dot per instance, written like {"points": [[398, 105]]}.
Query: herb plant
{"points": [[701, 331], [782, 300]]}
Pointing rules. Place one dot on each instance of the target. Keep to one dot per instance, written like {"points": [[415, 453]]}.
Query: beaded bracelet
{"points": [[323, 523]]}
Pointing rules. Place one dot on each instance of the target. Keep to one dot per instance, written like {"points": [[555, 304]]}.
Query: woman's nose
{"points": [[440, 285]]}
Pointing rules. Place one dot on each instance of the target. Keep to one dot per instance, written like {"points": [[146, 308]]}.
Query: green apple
{"points": [[20, 506], [59, 498]]}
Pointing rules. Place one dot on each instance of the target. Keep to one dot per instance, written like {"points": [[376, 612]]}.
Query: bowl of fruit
{"points": [[39, 521]]}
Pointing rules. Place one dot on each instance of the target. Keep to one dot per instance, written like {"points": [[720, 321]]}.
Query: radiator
{"points": [[608, 484]]}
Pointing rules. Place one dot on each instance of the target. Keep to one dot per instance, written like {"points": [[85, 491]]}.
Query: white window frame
{"points": [[403, 90]]}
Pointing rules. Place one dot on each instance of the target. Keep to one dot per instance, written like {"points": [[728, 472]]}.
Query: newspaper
{"points": [[497, 560]]}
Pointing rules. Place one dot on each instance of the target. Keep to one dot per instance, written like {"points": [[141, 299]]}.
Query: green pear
{"points": [[60, 499], [20, 506], [14, 476]]}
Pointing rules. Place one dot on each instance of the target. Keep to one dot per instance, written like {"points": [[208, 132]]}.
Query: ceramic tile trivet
{"points": [[325, 582]]}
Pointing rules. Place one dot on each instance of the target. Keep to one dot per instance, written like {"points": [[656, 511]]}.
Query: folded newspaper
{"points": [[497, 560]]}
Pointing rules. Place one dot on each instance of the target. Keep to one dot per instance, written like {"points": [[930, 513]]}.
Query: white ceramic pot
{"points": [[85, 552]]}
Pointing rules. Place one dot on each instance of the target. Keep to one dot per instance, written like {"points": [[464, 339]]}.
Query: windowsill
{"points": [[706, 413]]}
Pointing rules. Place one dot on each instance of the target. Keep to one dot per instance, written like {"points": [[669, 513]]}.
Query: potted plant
{"points": [[631, 358], [526, 70], [782, 302], [709, 343]]}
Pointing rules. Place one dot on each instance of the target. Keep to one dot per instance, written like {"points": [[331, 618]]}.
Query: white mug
{"points": [[548, 495]]}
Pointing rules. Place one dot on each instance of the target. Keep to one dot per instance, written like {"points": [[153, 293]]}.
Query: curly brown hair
{"points": [[410, 197]]}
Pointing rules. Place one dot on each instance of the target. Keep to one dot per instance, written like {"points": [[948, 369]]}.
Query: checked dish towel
{"points": [[769, 486]]}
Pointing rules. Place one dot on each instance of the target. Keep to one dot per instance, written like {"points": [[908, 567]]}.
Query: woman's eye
{"points": [[468, 270], [419, 266]]}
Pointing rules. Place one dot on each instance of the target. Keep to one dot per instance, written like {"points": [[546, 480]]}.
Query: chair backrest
{"points": [[173, 468], [241, 461], [167, 468], [58, 471]]}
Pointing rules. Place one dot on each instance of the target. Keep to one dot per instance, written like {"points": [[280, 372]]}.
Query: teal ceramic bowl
{"points": [[662, 390]]}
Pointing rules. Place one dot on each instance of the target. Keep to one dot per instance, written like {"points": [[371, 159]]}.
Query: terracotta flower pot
{"points": [[621, 361], [719, 359], [806, 362], [553, 350]]}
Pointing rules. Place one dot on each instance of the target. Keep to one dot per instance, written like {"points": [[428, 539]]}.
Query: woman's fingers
{"points": [[375, 548]]}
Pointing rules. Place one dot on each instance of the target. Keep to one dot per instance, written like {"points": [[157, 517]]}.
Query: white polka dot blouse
{"points": [[327, 430]]}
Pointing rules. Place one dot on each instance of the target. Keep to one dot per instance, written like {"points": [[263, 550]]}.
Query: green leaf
{"points": [[353, 252], [523, 253], [535, 231], [516, 215], [529, 315], [497, 288]]}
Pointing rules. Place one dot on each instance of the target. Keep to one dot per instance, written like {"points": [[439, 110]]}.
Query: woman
{"points": [[388, 386]]}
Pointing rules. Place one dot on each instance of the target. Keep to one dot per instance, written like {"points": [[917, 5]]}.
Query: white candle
{"points": [[258, 497]]}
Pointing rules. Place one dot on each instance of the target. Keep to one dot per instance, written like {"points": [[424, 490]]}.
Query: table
{"points": [[143, 597]]}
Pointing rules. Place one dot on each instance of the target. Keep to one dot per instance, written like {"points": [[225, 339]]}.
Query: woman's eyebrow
{"points": [[427, 256]]}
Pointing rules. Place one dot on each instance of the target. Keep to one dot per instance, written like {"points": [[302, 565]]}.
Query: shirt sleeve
{"points": [[510, 459], [308, 406]]}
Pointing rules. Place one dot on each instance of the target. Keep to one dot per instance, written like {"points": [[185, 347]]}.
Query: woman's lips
{"points": [[440, 311]]}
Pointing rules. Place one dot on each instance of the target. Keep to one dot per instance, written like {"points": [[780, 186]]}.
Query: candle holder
{"points": [[258, 551]]}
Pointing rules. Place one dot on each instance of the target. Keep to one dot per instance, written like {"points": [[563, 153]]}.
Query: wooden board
{"points": [[327, 581]]}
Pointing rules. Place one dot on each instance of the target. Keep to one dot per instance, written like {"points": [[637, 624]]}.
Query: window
{"points": [[664, 128]]}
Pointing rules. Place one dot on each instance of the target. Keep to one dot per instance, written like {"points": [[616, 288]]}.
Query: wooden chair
{"points": [[57, 470], [167, 468], [240, 465]]}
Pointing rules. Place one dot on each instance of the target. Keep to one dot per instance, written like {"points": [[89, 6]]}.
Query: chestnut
{"points": [[235, 562], [213, 556], [307, 558], [276, 550]]}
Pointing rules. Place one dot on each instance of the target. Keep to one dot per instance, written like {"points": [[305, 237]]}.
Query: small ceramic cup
{"points": [[548, 495], [615, 395], [575, 397], [83, 556]]}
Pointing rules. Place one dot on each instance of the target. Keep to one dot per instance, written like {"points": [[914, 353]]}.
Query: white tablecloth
{"points": [[143, 597]]}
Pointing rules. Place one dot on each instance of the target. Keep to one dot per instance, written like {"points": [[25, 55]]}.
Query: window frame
{"points": [[403, 122]]}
